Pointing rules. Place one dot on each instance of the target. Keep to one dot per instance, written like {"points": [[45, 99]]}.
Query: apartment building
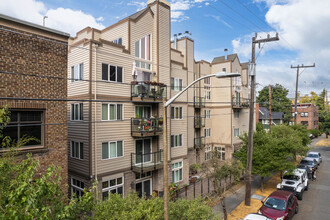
{"points": [[37, 104], [307, 114], [120, 77]]}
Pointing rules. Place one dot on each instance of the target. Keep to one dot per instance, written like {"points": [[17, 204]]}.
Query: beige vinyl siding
{"points": [[190, 126], [117, 32], [179, 73], [179, 126], [77, 55], [177, 56], [85, 34], [221, 95], [242, 123], [220, 126]]}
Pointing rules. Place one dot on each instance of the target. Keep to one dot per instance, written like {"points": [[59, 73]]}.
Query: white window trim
{"points": [[75, 186], [78, 104], [207, 132], [145, 49], [114, 187], [71, 146], [177, 107], [117, 39], [144, 180], [143, 152], [207, 95], [178, 168], [175, 135], [122, 73], [221, 151], [73, 79], [150, 106], [234, 132], [122, 111], [110, 158], [176, 84], [207, 113], [208, 153]]}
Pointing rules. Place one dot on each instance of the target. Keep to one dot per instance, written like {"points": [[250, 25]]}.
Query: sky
{"points": [[303, 27]]}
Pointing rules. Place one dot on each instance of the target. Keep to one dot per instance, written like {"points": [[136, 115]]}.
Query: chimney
{"points": [[175, 41], [226, 51]]}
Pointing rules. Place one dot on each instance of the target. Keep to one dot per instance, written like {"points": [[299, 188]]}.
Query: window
{"points": [[207, 80], [304, 123], [176, 112], [223, 69], [112, 112], [143, 65], [291, 123], [207, 132], [143, 150], [118, 41], [112, 186], [176, 84], [304, 114], [316, 122], [176, 140], [143, 48], [25, 123], [112, 149], [220, 152], [77, 187], [77, 112], [144, 188], [77, 150], [293, 114], [236, 132], [207, 113], [208, 153], [207, 95], [77, 72], [176, 172], [142, 175], [112, 73], [236, 114]]}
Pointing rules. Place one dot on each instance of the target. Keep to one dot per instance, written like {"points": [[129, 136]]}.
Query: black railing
{"points": [[141, 127], [147, 162], [199, 102], [199, 142], [240, 102], [199, 121], [148, 90]]}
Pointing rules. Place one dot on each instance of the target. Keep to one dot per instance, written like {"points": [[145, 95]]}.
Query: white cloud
{"points": [[140, 4], [181, 5], [63, 19], [218, 18], [178, 8], [100, 19]]}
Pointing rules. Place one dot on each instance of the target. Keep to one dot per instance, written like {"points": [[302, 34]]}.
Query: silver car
{"points": [[315, 155]]}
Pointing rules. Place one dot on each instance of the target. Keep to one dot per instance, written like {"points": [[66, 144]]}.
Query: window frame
{"points": [[236, 114], [116, 41], [173, 170], [174, 140], [207, 94], [208, 153], [80, 111], [176, 84], [116, 66], [109, 150], [116, 186], [145, 47], [207, 132], [116, 111], [207, 113], [236, 129], [78, 188], [81, 147], [80, 69], [222, 152], [173, 112]]}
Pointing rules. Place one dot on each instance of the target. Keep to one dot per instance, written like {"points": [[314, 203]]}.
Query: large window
{"points": [[112, 186], [221, 152], [77, 150], [143, 151], [176, 112], [208, 153], [144, 188], [236, 114], [207, 113], [112, 149], [304, 114], [112, 73], [177, 172], [112, 112], [143, 48], [77, 72], [176, 140], [207, 132], [77, 187], [207, 95], [176, 84], [25, 123], [77, 112], [236, 132]]}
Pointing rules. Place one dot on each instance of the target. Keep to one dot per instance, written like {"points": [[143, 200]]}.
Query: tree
{"points": [[326, 125], [217, 171], [280, 102]]}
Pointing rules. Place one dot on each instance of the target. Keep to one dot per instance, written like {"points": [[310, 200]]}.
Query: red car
{"points": [[280, 205]]}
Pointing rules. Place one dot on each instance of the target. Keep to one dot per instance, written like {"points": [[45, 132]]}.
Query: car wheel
{"points": [[300, 196], [306, 187], [297, 209]]}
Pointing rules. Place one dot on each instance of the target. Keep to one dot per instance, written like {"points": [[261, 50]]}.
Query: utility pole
{"points": [[296, 95], [326, 102], [270, 107], [251, 116]]}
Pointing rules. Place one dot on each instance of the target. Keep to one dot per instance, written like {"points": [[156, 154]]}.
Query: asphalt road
{"points": [[316, 201]]}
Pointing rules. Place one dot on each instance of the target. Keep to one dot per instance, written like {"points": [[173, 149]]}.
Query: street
{"points": [[315, 203]]}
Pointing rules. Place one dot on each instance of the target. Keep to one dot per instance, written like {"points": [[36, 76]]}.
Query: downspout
{"points": [[95, 162]]}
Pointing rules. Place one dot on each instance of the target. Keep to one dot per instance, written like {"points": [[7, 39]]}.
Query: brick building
{"points": [[27, 50], [307, 114]]}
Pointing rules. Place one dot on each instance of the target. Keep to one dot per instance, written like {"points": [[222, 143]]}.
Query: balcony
{"points": [[199, 142], [146, 127], [147, 162], [199, 121], [147, 91], [199, 102], [240, 102]]}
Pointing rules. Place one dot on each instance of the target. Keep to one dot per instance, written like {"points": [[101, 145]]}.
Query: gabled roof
{"points": [[137, 14], [230, 57], [265, 114], [218, 59]]}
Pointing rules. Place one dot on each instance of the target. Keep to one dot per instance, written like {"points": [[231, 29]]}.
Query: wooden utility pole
{"points": [[165, 172], [270, 107], [296, 95], [326, 101], [251, 116]]}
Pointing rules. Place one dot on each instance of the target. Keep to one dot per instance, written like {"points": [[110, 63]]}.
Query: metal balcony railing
{"points": [[147, 91], [199, 121], [238, 102], [199, 142], [147, 162], [146, 127], [199, 102]]}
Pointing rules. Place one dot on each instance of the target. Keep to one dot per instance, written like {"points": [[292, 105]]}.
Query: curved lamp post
{"points": [[165, 105]]}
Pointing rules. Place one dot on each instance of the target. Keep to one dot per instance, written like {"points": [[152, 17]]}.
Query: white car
{"points": [[315, 155], [297, 182], [256, 217]]}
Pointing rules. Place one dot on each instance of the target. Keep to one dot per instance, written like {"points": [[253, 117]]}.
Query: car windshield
{"points": [[275, 203], [291, 177], [313, 155], [302, 167], [307, 162]]}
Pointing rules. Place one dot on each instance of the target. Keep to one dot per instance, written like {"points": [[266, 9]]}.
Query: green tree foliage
{"points": [[133, 207], [280, 102], [326, 125]]}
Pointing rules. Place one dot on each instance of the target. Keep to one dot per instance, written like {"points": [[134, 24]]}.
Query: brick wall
{"points": [[30, 54], [311, 119]]}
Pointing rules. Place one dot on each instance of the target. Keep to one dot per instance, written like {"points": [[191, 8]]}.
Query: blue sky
{"points": [[216, 25]]}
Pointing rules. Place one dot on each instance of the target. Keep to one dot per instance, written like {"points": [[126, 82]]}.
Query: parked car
{"points": [[295, 182], [310, 162], [280, 205], [256, 216], [315, 155], [307, 169], [311, 136]]}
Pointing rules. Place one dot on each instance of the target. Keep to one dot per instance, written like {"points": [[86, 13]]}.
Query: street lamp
{"points": [[165, 105]]}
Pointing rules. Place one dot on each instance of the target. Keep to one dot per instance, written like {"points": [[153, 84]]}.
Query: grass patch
{"points": [[323, 143]]}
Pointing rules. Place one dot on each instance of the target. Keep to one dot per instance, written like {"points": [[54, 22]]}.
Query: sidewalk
{"points": [[237, 197]]}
